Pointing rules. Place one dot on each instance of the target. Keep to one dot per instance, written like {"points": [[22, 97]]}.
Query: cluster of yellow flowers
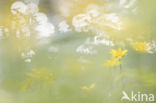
{"points": [[87, 89], [42, 76], [117, 55], [142, 47]]}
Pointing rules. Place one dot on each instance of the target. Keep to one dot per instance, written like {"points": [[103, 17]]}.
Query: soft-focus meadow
{"points": [[76, 51]]}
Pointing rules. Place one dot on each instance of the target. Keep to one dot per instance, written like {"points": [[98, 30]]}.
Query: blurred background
{"points": [[56, 50]]}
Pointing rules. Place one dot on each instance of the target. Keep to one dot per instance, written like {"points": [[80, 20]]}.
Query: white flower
{"points": [[30, 53], [28, 60], [81, 22], [112, 17], [18, 7], [100, 40], [109, 20], [45, 30], [127, 3], [153, 45], [32, 8], [41, 18], [86, 50], [63, 27]]}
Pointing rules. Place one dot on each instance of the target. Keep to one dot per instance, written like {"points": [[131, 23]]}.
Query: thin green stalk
{"points": [[120, 66]]}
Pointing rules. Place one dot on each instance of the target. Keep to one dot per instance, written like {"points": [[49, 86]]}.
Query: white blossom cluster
{"points": [[31, 11], [63, 27], [29, 21], [90, 21], [151, 47], [127, 3], [28, 55], [154, 46], [99, 39], [87, 46], [44, 28], [94, 18], [84, 49]]}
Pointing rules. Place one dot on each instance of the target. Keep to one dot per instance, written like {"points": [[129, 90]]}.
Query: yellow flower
{"points": [[27, 84], [112, 62], [118, 53], [88, 89], [42, 73], [141, 47], [116, 56], [42, 76]]}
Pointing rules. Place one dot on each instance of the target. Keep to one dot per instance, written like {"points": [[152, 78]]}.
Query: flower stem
{"points": [[120, 66], [122, 84]]}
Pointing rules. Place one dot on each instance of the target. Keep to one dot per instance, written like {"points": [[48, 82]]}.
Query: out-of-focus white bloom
{"points": [[94, 19], [18, 7], [130, 4], [113, 17], [28, 60], [6, 30], [32, 8], [30, 53], [114, 21], [127, 3], [41, 18], [109, 20], [81, 22], [153, 50], [23, 54], [92, 10], [63, 27], [150, 48], [98, 40], [154, 45], [45, 30], [86, 50]]}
